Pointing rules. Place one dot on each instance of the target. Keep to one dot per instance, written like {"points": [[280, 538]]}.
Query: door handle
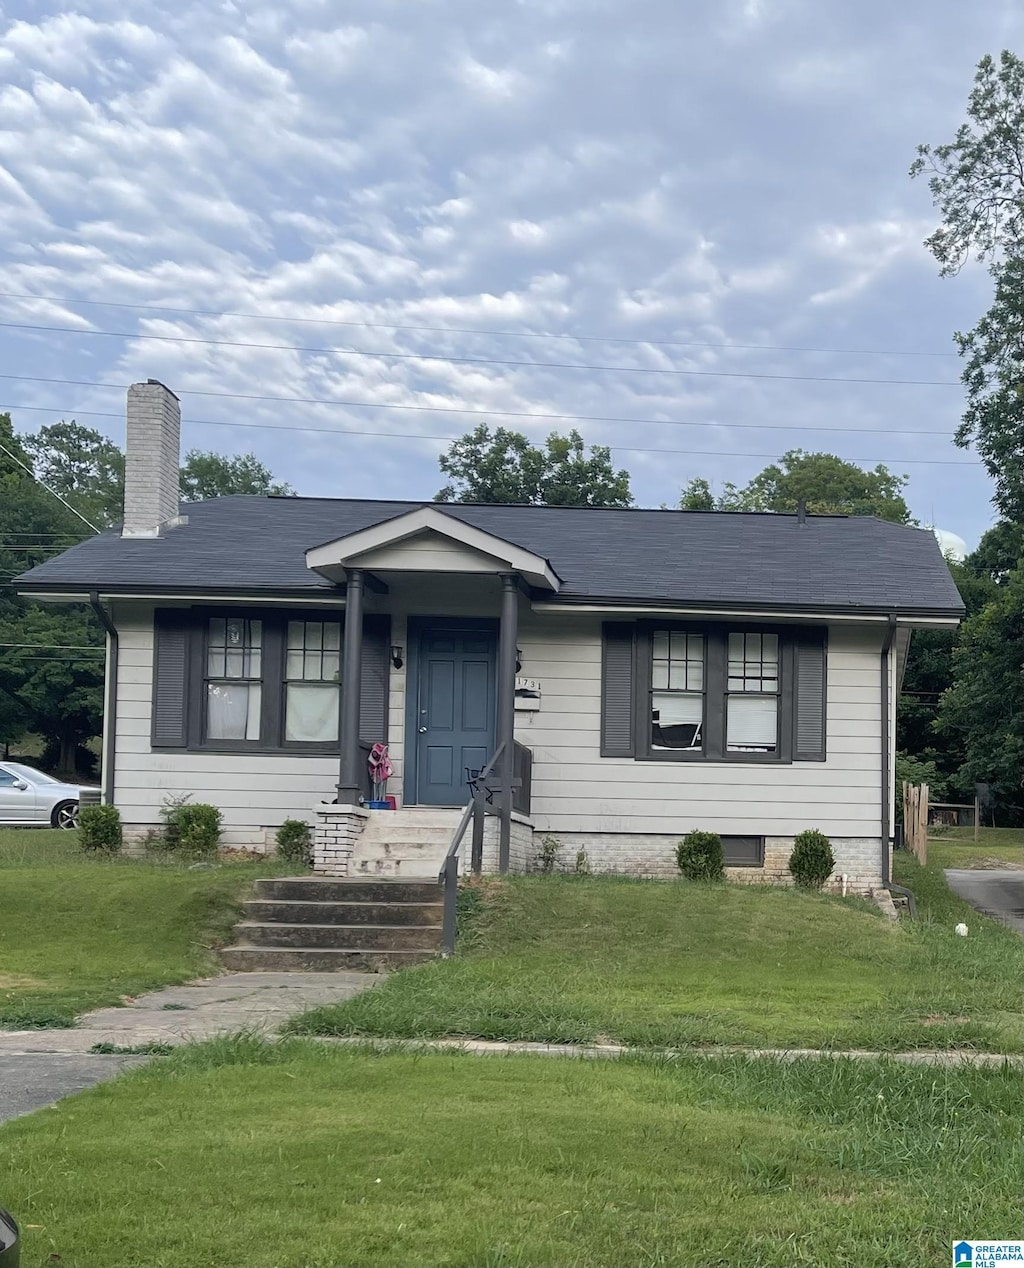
{"points": [[423, 730]]}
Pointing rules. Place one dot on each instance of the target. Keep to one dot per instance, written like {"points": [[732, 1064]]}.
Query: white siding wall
{"points": [[253, 793], [575, 790]]}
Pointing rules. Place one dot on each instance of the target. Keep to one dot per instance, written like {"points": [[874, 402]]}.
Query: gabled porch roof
{"points": [[428, 540]]}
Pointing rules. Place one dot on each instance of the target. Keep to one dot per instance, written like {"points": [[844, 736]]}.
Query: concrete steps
{"points": [[410, 842], [314, 924]]}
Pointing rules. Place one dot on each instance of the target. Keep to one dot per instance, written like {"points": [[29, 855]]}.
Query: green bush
{"points": [[198, 830], [295, 842], [812, 859], [699, 856], [99, 829]]}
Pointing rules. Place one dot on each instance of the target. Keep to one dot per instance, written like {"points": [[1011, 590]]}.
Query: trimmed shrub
{"points": [[99, 829], [295, 842], [812, 859], [198, 829], [699, 856]]}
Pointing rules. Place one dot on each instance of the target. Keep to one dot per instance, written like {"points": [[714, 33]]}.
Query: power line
{"points": [[63, 501], [423, 356], [446, 409], [470, 330], [415, 436]]}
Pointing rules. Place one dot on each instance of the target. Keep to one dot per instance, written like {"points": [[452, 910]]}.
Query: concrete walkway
{"points": [[198, 1010], [38, 1067], [489, 1048]]}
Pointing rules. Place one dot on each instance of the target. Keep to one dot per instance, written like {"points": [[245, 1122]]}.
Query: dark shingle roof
{"points": [[255, 544]]}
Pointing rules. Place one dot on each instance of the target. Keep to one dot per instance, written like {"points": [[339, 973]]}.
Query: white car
{"points": [[29, 798]]}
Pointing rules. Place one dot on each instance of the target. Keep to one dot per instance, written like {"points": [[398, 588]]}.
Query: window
{"points": [[677, 689], [7, 780], [752, 694], [312, 675], [234, 686]]}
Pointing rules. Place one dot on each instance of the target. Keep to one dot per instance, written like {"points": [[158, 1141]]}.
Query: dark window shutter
{"points": [[618, 659], [172, 628], [376, 665], [810, 697]]}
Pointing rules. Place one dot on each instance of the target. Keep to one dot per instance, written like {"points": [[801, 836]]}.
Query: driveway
{"points": [[999, 894]]}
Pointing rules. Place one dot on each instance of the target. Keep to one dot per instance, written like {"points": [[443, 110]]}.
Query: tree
{"points": [[993, 375], [505, 467], [212, 475], [827, 484], [51, 675], [977, 185], [982, 711], [83, 466], [697, 496]]}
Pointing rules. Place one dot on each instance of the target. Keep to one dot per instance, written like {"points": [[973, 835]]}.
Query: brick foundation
{"points": [[653, 855]]}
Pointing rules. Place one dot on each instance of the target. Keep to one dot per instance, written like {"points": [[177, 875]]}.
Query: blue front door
{"points": [[455, 709]]}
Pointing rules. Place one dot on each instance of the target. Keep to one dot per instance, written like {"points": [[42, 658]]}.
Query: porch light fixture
{"points": [[396, 656], [519, 659]]}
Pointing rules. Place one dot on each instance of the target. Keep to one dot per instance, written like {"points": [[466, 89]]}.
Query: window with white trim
{"points": [[677, 690], [752, 694], [312, 677], [234, 678]]}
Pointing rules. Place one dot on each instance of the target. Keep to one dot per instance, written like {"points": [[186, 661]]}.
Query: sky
{"points": [[345, 232]]}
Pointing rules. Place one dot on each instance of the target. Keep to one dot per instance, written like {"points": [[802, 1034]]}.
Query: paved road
{"points": [[38, 1067], [999, 894]]}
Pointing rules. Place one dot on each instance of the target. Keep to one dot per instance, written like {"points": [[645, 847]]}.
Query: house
{"points": [[639, 673]]}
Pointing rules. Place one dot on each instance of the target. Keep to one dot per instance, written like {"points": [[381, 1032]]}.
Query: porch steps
{"points": [[410, 842], [314, 924]]}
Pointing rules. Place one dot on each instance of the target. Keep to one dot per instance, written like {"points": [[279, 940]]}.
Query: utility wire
{"points": [[423, 356], [469, 330], [56, 647], [63, 501], [416, 436], [449, 409]]}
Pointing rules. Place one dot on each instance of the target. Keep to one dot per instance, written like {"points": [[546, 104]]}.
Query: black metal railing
{"points": [[448, 877]]}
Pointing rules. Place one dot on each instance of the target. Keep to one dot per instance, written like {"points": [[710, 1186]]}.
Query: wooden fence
{"points": [[915, 820]]}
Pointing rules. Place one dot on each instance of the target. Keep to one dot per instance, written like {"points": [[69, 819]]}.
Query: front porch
{"points": [[451, 595]]}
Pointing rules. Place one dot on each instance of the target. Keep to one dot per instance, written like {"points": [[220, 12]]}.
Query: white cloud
{"points": [[713, 174]]}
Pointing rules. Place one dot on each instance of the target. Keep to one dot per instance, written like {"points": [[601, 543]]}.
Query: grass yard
{"points": [[673, 964], [307, 1156], [996, 847], [78, 932]]}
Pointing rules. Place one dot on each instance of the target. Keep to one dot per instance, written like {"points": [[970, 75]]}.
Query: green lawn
{"points": [[996, 847], [78, 932], [673, 964], [304, 1156]]}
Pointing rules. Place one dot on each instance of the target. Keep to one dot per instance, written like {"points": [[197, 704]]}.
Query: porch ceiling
{"points": [[427, 540]]}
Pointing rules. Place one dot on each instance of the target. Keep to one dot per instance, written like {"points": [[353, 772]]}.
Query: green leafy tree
{"points": [[982, 712], [83, 466], [697, 496], [212, 475], [505, 467], [49, 685], [827, 484], [977, 185]]}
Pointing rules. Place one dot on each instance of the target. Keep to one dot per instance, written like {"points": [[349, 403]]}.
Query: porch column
{"points": [[507, 638], [351, 689]]}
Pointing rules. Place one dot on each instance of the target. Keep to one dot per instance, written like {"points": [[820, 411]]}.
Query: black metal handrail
{"points": [[448, 876]]}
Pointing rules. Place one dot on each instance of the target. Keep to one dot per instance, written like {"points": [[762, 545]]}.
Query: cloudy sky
{"points": [[399, 216]]}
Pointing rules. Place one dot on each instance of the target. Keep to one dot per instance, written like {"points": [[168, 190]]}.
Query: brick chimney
{"points": [[152, 457]]}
